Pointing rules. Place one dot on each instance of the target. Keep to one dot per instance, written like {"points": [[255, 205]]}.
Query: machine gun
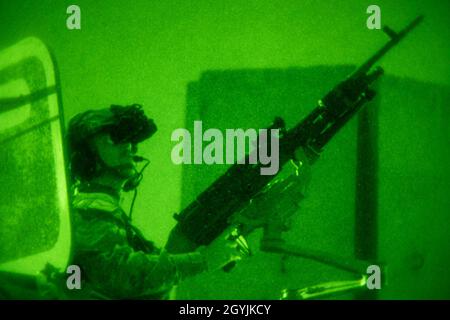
{"points": [[209, 215]]}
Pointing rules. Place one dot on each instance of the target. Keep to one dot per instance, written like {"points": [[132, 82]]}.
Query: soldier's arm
{"points": [[102, 251]]}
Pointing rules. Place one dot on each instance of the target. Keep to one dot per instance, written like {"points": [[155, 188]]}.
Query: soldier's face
{"points": [[116, 156]]}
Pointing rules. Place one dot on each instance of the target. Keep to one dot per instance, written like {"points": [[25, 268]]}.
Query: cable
{"points": [[136, 182]]}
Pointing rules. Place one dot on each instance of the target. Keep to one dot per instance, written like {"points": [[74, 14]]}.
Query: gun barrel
{"points": [[395, 38], [208, 216]]}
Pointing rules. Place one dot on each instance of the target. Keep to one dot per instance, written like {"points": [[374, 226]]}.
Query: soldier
{"points": [[116, 260]]}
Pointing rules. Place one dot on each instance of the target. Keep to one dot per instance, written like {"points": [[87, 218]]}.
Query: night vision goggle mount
{"points": [[130, 124]]}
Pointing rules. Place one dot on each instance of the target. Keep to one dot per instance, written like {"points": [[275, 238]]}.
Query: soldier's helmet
{"points": [[123, 123]]}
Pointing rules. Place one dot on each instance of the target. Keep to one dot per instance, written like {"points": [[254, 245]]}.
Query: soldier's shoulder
{"points": [[98, 207], [95, 201]]}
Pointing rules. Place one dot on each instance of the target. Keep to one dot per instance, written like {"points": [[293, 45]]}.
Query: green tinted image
{"points": [[258, 150]]}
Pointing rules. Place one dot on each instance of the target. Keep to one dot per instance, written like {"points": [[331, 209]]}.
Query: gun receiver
{"points": [[208, 216]]}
